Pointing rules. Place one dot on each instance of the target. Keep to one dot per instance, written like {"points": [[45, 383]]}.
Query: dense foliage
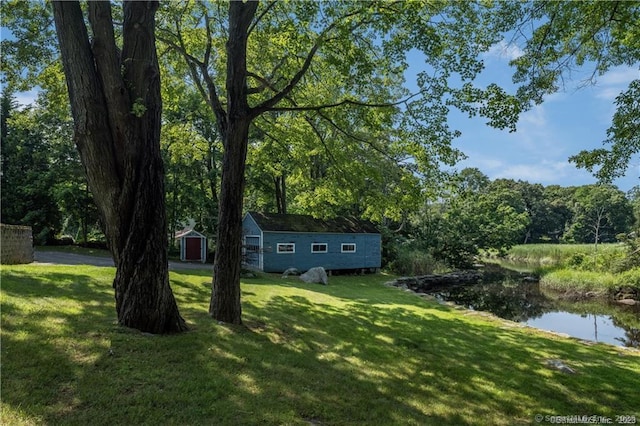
{"points": [[43, 184], [482, 214]]}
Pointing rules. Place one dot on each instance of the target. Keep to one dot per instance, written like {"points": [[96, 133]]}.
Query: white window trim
{"points": [[326, 248], [342, 250], [279, 251]]}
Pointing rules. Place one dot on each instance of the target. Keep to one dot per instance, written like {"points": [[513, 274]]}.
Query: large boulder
{"points": [[315, 275]]}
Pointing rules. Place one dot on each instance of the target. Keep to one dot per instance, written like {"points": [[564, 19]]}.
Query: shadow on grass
{"points": [[356, 354], [455, 363], [53, 325]]}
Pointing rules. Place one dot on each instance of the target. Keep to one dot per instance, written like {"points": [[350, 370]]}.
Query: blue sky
{"points": [[567, 122]]}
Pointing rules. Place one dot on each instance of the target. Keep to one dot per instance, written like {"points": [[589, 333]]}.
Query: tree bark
{"points": [[116, 106], [225, 296], [234, 129]]}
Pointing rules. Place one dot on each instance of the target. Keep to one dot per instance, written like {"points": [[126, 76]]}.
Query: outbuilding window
{"points": [[319, 247], [286, 248], [348, 248]]}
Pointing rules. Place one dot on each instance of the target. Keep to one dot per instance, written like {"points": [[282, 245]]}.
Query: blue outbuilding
{"points": [[277, 242]]}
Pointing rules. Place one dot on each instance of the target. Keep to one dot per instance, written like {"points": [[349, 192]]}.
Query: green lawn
{"points": [[352, 353]]}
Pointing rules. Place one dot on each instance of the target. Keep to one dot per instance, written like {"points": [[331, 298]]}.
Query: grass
{"points": [[554, 254], [354, 352], [600, 284], [576, 269]]}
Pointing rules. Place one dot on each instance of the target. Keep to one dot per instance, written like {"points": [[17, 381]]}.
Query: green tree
{"points": [[28, 175], [600, 212], [70, 188], [546, 221], [191, 150], [634, 198], [362, 47], [471, 181], [478, 215], [311, 164], [557, 214]]}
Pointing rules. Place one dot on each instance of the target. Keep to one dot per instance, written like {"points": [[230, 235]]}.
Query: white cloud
{"points": [[505, 50], [620, 76], [536, 117], [608, 93], [609, 86], [547, 173], [483, 162], [26, 98]]}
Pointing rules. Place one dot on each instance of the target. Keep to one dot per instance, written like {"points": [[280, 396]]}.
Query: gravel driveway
{"points": [[61, 258]]}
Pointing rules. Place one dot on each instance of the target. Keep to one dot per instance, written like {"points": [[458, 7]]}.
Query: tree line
{"points": [[481, 214]]}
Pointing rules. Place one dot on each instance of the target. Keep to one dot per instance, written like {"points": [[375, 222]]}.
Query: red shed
{"points": [[193, 246]]}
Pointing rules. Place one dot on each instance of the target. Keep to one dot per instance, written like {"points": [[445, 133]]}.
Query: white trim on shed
{"points": [[190, 234]]}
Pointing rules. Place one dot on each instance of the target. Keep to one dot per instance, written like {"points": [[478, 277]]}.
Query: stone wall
{"points": [[16, 244]]}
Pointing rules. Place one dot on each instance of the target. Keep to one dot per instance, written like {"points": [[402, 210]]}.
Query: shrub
{"points": [[413, 261], [630, 278], [576, 260]]}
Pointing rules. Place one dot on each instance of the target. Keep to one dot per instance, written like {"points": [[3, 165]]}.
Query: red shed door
{"points": [[193, 249]]}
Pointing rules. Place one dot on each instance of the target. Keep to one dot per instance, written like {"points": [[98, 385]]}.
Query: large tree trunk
{"points": [[116, 105], [225, 297], [234, 128]]}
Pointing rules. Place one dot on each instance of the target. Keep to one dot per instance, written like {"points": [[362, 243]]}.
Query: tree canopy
{"points": [[559, 38]]}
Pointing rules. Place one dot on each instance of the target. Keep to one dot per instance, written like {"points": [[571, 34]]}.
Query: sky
{"points": [[566, 123]]}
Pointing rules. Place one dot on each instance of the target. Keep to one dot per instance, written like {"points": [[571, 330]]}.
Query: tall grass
{"points": [[558, 254], [579, 283], [412, 261], [577, 269], [354, 352]]}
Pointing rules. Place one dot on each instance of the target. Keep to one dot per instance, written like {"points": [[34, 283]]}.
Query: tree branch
{"points": [[264, 12], [356, 138], [199, 72], [347, 102], [270, 103]]}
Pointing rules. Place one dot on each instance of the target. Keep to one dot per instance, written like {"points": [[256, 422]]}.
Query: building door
{"points": [[252, 251], [193, 248]]}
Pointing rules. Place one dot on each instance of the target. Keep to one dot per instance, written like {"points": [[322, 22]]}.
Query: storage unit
{"points": [[193, 246], [277, 242]]}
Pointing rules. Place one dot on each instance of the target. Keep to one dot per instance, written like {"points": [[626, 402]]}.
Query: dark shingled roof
{"points": [[304, 223]]}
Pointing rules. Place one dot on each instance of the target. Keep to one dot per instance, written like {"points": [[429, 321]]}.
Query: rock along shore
{"points": [[432, 282]]}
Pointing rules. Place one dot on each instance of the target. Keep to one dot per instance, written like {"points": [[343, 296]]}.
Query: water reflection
{"points": [[594, 320]]}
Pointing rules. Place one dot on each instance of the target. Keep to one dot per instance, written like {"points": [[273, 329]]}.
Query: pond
{"points": [[594, 319]]}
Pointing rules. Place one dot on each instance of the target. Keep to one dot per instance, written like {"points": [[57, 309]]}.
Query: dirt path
{"points": [[61, 258]]}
